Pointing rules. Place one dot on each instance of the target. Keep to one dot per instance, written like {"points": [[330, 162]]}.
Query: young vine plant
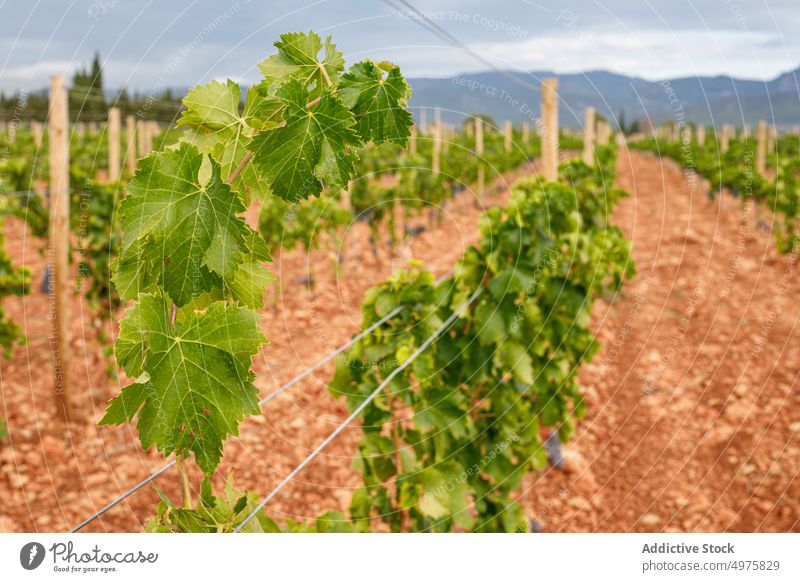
{"points": [[191, 264], [447, 443]]}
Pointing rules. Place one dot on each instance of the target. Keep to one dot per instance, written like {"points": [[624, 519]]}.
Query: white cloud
{"points": [[654, 54], [38, 71]]}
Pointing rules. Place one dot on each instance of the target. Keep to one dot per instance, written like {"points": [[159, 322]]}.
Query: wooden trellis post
{"points": [[58, 252], [526, 133], [725, 139], [412, 140], [130, 140], [141, 139], [113, 144], [479, 153], [437, 149], [151, 134], [550, 129], [38, 132], [761, 148], [701, 135], [772, 139], [588, 136], [508, 133], [146, 141]]}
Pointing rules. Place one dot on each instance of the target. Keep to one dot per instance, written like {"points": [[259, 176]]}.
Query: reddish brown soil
{"points": [[693, 413], [692, 421]]}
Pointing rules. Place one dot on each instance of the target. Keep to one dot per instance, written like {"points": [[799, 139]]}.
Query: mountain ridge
{"points": [[713, 99]]}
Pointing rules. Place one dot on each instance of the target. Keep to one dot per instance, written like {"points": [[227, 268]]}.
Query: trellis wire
{"points": [[457, 313], [263, 401]]}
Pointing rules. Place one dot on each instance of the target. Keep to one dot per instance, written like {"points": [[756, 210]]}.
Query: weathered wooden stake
{"points": [[437, 149], [550, 129], [772, 139], [725, 139], [526, 134], [141, 139], [701, 135], [479, 153], [508, 134], [113, 144], [38, 132], [412, 141], [151, 135], [130, 140], [58, 252], [761, 148], [588, 136]]}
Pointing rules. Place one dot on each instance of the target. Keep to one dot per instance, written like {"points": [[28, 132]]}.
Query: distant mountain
{"points": [[719, 99]]}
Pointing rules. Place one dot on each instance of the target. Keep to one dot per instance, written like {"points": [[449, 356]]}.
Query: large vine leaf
{"points": [[180, 231], [298, 58], [315, 144], [194, 383], [378, 102]]}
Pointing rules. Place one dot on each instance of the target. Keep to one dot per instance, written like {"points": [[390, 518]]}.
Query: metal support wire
{"points": [[457, 313], [263, 401]]}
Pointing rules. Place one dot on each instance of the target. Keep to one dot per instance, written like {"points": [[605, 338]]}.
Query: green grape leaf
{"points": [[518, 361], [490, 324], [195, 384], [215, 126], [446, 493], [214, 106], [251, 278], [378, 102], [298, 58], [315, 144], [179, 231]]}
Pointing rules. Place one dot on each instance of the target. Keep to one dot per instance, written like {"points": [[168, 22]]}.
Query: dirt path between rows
{"points": [[693, 401]]}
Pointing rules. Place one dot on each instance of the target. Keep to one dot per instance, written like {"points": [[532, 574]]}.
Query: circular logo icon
{"points": [[31, 555]]}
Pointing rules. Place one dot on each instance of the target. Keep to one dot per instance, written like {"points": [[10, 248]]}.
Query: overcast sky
{"points": [[149, 45]]}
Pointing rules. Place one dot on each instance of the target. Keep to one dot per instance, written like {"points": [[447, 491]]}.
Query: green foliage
{"points": [[736, 170], [309, 222], [13, 281], [221, 514], [194, 384], [182, 230], [213, 514], [448, 442], [196, 270], [303, 123], [86, 94]]}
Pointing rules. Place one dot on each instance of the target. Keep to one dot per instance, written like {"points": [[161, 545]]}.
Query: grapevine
{"points": [[479, 396], [195, 270]]}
